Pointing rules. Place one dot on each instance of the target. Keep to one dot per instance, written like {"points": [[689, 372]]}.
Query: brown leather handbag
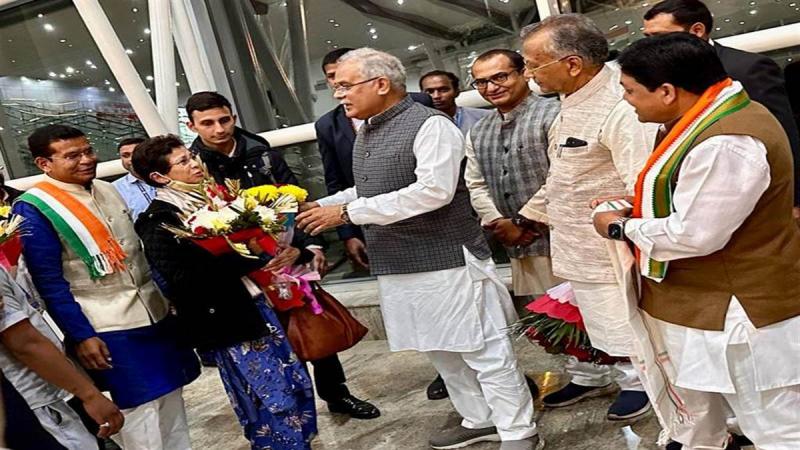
{"points": [[316, 336]]}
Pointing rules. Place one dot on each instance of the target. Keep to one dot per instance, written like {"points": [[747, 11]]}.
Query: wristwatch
{"points": [[523, 222], [616, 229], [344, 215]]}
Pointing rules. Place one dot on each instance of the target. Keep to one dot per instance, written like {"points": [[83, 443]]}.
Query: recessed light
{"points": [[63, 41], [70, 69], [40, 15], [727, 19], [111, 89], [149, 90], [329, 41], [374, 36], [149, 78], [141, 40], [753, 12], [128, 51], [135, 9], [373, 30], [61, 75], [400, 2], [336, 25], [717, 28], [411, 48], [177, 84], [147, 31], [628, 22], [107, 82], [232, 71], [741, 22], [331, 20], [48, 27], [53, 74], [89, 62]]}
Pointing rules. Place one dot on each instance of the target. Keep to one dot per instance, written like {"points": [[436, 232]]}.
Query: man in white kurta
{"points": [[438, 288], [727, 304], [599, 149]]}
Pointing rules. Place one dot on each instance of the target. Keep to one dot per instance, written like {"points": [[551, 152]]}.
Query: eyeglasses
{"points": [[532, 69], [344, 87], [75, 157], [185, 161], [497, 79]]}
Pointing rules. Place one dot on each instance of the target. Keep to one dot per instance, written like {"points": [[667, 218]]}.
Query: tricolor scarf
{"points": [[83, 232], [654, 186]]}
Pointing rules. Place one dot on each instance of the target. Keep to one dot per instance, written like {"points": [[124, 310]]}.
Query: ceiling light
{"points": [[107, 82], [788, 59], [40, 15], [128, 51], [232, 71], [149, 78], [53, 74], [48, 27], [147, 31], [369, 24], [741, 22], [177, 84], [70, 69], [329, 41], [628, 22], [400, 2], [727, 19], [111, 89], [752, 3], [331, 20], [135, 9], [753, 12], [335, 46], [63, 41], [374, 36], [149, 90], [373, 30], [141, 40], [411, 48], [89, 62], [61, 75], [504, 1], [717, 28], [792, 5], [336, 25]]}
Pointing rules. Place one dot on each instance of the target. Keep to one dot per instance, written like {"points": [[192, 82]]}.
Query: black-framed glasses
{"points": [[344, 87], [497, 79]]}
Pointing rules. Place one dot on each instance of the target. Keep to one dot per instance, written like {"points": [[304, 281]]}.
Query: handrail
{"points": [[757, 41]]}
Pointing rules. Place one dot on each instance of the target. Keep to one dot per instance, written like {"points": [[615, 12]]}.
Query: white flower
{"points": [[267, 215]]}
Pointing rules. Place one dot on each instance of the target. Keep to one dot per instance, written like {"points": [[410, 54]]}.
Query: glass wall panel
{"points": [[52, 72]]}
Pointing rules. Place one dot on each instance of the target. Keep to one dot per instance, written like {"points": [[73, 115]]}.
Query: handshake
{"points": [[518, 231]]}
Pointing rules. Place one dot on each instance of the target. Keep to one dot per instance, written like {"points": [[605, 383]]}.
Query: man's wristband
{"points": [[523, 222], [344, 215]]}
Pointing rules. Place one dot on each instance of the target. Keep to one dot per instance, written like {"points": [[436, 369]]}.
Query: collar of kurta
{"points": [[603, 78], [70, 187], [390, 113]]}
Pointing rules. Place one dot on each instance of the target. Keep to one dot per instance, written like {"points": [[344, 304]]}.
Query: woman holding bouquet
{"points": [[220, 310]]}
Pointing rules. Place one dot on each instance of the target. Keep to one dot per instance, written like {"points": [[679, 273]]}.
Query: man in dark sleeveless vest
{"points": [[438, 287], [719, 252]]}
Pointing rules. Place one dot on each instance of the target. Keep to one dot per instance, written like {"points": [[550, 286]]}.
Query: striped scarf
{"points": [[83, 232], [654, 186]]}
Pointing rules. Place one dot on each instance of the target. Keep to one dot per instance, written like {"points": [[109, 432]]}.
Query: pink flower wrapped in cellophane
{"points": [[291, 288]]}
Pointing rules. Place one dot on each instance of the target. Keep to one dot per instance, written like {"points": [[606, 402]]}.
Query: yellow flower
{"points": [[263, 193], [5, 211], [295, 191]]}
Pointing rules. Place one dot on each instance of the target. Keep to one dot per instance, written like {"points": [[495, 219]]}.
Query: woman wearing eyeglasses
{"points": [[269, 389]]}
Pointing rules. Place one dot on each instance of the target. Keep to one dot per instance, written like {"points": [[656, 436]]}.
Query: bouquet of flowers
{"points": [[228, 217], [10, 244], [556, 324]]}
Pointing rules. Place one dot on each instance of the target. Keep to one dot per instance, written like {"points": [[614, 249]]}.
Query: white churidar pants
{"points": [[606, 315], [64, 424], [156, 425]]}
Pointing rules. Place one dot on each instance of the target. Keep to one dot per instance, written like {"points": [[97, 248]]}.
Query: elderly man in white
{"points": [[438, 287]]}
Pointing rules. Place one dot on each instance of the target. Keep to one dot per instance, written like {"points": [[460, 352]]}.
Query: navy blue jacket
{"points": [[335, 138]]}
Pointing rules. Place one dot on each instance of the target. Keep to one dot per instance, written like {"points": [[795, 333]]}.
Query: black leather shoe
{"points": [[437, 390], [533, 387], [355, 408]]}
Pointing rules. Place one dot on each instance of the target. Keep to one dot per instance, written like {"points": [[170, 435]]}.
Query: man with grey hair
{"points": [[599, 149], [439, 291]]}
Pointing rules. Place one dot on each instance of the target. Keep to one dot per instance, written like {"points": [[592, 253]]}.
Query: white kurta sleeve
{"points": [[629, 140], [339, 198], [479, 193], [439, 149], [721, 180]]}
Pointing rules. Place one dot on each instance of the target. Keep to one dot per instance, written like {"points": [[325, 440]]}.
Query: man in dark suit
{"points": [[761, 77], [336, 134]]}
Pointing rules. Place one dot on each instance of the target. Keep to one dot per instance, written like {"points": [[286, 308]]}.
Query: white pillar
{"points": [[121, 66], [164, 62], [188, 50]]}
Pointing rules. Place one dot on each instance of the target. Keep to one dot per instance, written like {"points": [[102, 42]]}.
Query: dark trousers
{"points": [[329, 378]]}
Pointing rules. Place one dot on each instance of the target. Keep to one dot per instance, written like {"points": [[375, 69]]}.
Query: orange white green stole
{"points": [[654, 187], [83, 232]]}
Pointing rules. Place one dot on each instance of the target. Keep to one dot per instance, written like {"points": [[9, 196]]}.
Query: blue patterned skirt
{"points": [[269, 389]]}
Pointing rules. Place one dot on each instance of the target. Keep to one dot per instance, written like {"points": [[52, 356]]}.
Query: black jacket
{"points": [[763, 80], [254, 163], [335, 139], [214, 309]]}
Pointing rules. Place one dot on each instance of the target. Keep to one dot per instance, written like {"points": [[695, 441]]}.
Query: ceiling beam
{"points": [[406, 20], [479, 8]]}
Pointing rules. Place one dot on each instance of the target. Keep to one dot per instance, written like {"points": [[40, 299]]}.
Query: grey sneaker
{"points": [[462, 437], [532, 443]]}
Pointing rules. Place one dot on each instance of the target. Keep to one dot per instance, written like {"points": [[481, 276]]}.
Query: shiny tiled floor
{"points": [[396, 383]]}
